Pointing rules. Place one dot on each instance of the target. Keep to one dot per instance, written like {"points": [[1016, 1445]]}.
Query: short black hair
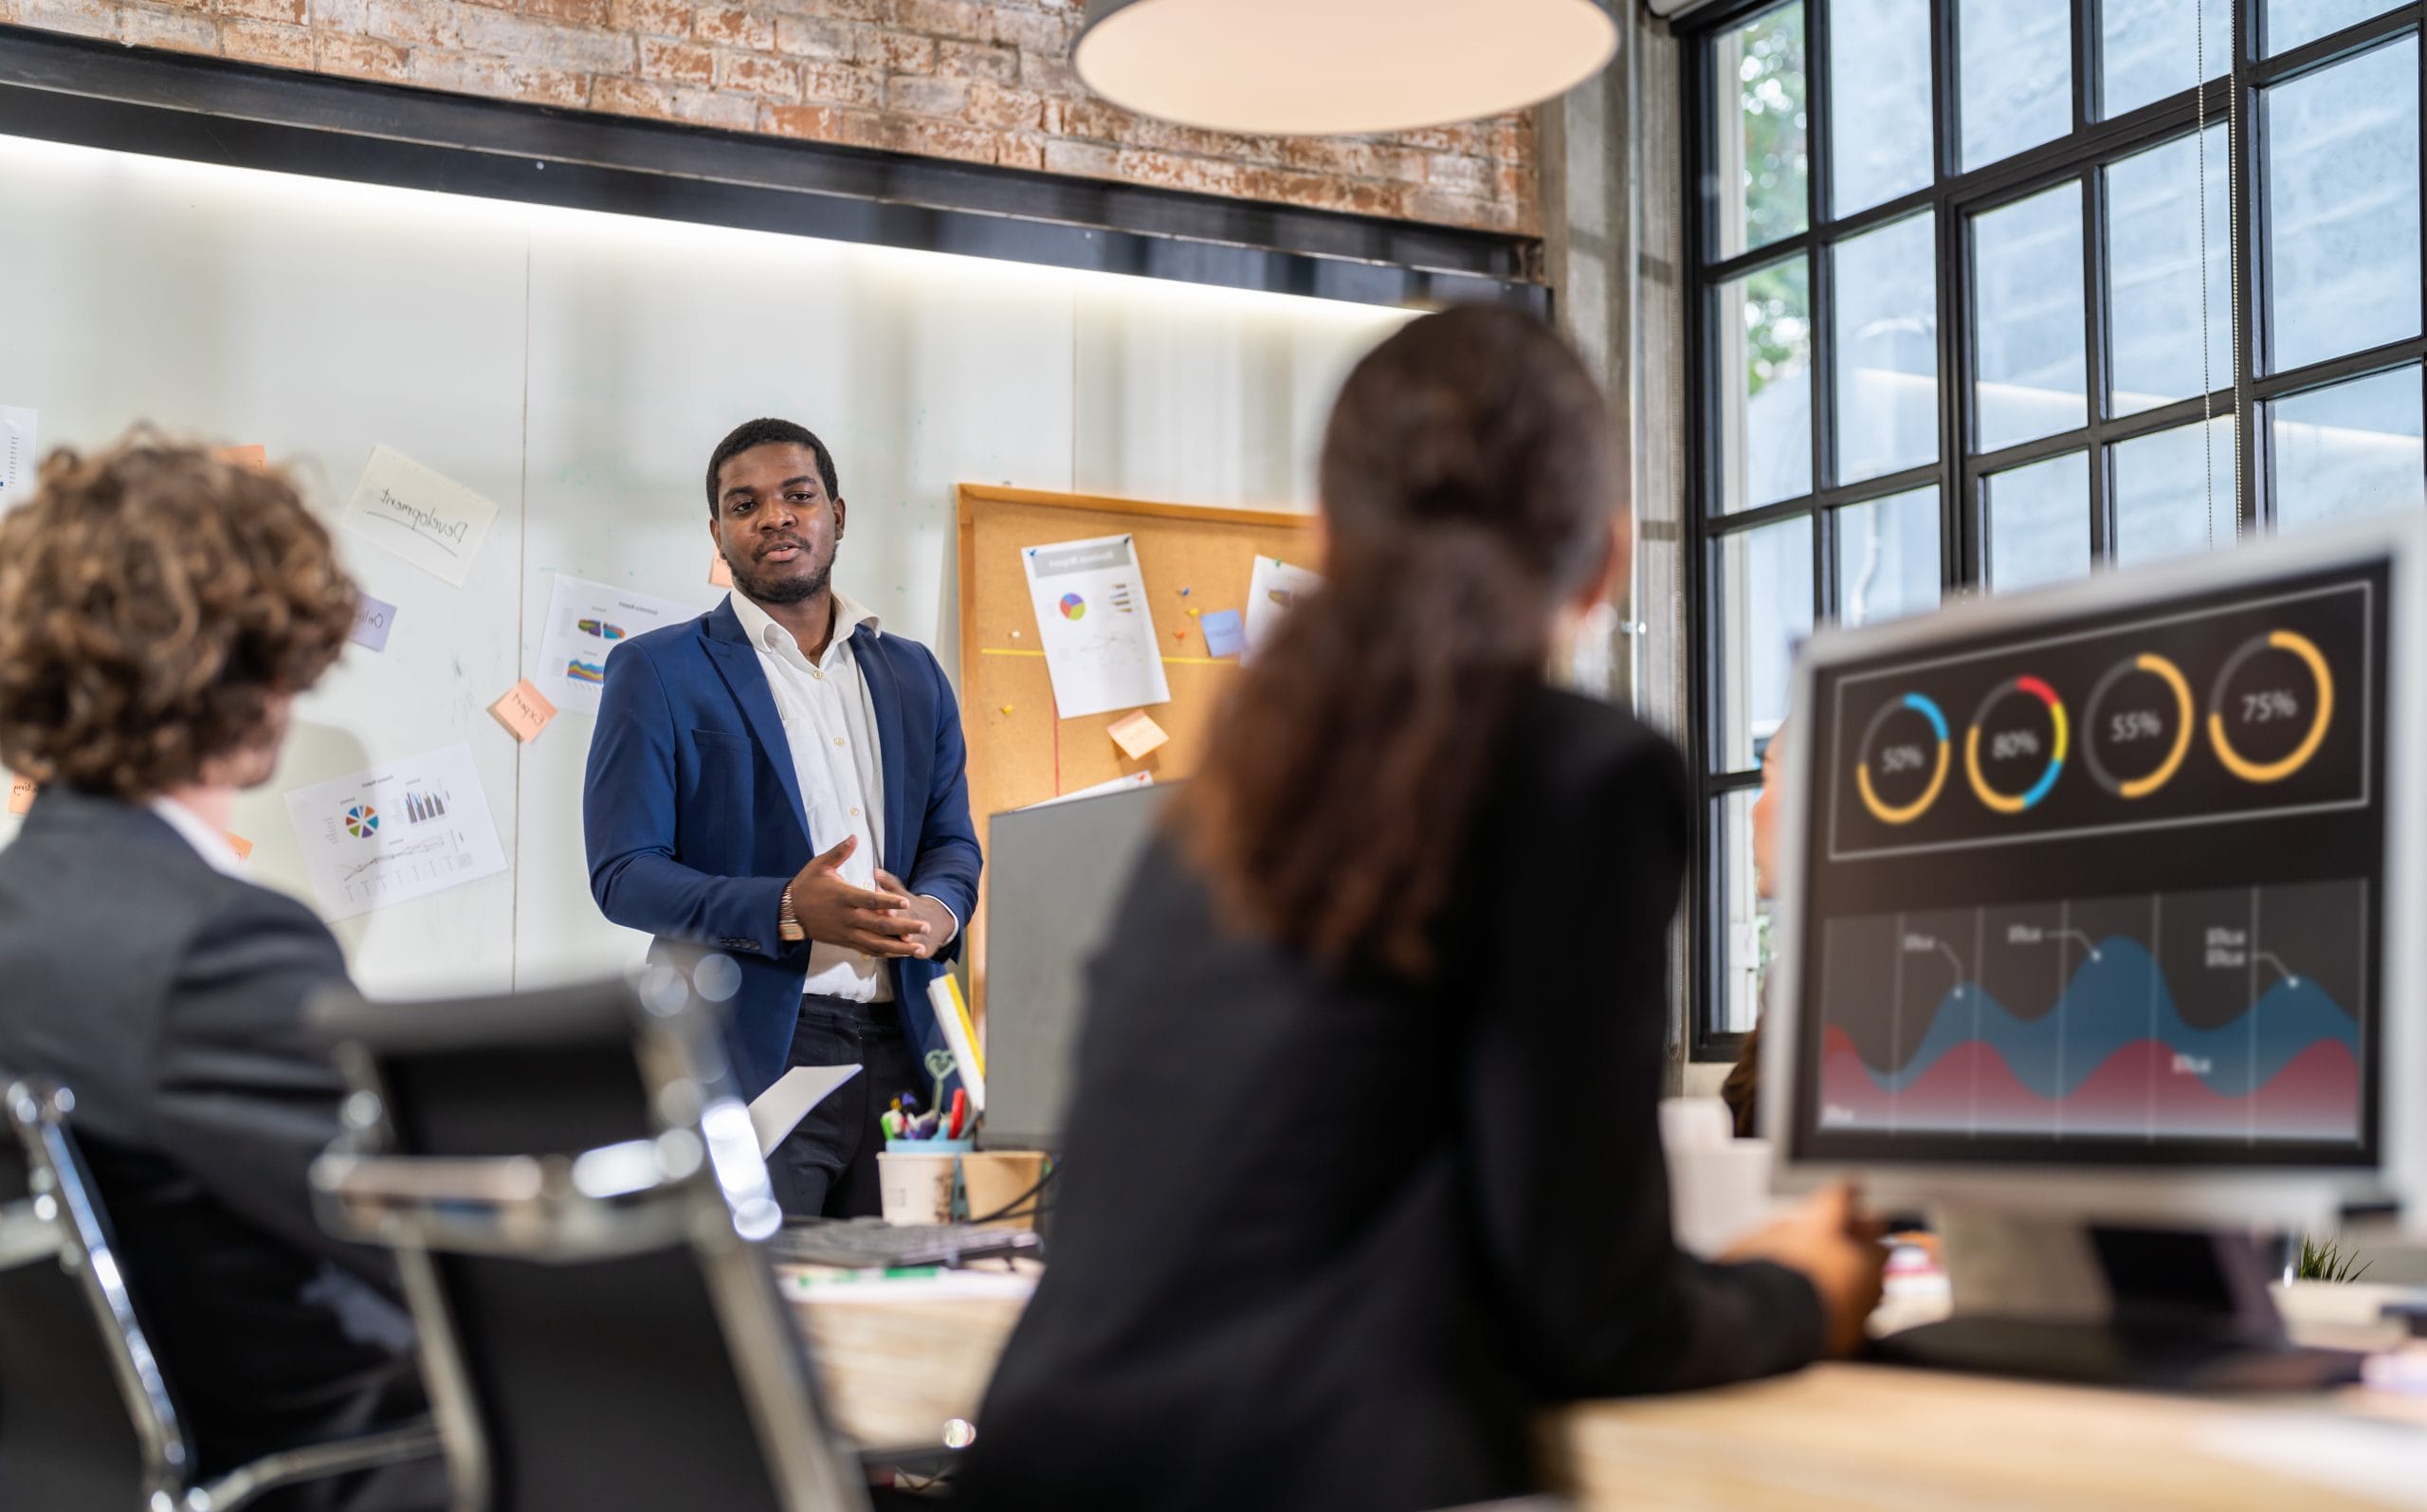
{"points": [[765, 432]]}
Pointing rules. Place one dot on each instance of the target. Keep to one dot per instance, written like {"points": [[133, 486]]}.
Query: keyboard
{"points": [[870, 1244]]}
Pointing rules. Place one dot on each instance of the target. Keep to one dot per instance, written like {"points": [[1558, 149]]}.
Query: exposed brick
{"points": [[338, 16], [701, 107], [83, 18], [683, 63], [1020, 152], [816, 37], [944, 138], [927, 97], [841, 85], [1033, 31], [815, 122], [429, 21], [358, 57], [572, 13], [167, 27], [1050, 75], [1080, 159], [767, 78], [494, 78], [265, 42], [658, 18], [1459, 210], [1003, 109], [730, 27], [944, 18], [1354, 158], [895, 52], [544, 44], [1461, 176], [970, 60]]}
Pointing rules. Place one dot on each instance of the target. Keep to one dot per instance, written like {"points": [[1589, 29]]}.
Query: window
{"points": [[1966, 276]]}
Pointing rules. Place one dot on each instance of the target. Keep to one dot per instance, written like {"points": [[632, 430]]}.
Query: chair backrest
{"points": [[573, 1189], [85, 1418]]}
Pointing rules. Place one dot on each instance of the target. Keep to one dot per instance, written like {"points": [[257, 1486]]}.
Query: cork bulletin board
{"points": [[1020, 751]]}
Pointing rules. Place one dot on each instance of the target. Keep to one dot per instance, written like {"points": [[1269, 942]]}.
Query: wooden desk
{"points": [[1835, 1438]]}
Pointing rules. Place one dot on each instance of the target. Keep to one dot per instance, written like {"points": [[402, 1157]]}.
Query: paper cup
{"points": [[1001, 1180], [916, 1188]]}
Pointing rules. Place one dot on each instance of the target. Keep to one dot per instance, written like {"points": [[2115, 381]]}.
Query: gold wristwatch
{"points": [[787, 923]]}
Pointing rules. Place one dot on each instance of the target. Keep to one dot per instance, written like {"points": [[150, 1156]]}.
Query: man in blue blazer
{"points": [[780, 782]]}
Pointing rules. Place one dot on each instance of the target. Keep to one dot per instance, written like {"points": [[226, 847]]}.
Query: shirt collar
{"points": [[208, 843], [767, 635]]}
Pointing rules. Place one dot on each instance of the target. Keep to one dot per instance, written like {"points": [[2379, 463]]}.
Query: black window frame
{"points": [[1955, 197]]}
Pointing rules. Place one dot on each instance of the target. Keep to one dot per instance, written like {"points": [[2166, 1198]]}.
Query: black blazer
{"points": [[168, 998], [1331, 1244]]}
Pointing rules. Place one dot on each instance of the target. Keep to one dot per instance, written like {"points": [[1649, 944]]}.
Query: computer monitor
{"points": [[2105, 900], [1055, 875]]}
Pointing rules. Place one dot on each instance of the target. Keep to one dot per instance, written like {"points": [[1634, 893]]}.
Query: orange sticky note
{"points": [[255, 456], [242, 847], [1138, 735], [21, 795], [523, 712], [720, 574]]}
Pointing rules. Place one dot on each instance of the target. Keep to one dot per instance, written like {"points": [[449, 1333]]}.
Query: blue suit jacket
{"points": [[693, 815]]}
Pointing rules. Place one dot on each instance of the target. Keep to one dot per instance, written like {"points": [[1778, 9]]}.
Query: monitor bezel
{"points": [[2106, 1189]]}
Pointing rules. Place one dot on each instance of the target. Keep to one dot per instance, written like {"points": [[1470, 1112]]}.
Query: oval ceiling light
{"points": [[1337, 67]]}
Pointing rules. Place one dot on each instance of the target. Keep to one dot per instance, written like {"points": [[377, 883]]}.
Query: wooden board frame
{"points": [[1020, 751]]}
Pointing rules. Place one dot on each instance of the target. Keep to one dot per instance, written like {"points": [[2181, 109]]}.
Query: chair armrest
{"points": [[248, 1483], [619, 1199]]}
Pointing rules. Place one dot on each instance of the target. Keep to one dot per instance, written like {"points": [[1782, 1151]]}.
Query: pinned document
{"points": [[1137, 737], [255, 456], [373, 618], [19, 461], [719, 571], [1097, 626], [20, 795], [423, 516], [396, 831], [524, 711], [242, 847], [1224, 635], [586, 623], [1272, 589]]}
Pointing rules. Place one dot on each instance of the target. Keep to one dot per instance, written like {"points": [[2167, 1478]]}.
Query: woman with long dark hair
{"points": [[1362, 1160]]}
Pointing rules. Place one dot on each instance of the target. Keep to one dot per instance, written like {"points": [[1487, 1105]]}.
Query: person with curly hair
{"points": [[159, 611]]}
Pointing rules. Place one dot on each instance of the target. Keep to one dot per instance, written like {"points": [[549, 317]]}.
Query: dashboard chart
{"points": [[2115, 881]]}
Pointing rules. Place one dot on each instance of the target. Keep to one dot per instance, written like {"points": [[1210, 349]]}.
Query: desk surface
{"points": [[1835, 1438]]}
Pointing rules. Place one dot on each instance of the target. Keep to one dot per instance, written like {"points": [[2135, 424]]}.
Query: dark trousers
{"points": [[827, 1166]]}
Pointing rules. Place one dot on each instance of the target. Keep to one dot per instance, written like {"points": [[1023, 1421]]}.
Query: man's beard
{"points": [[763, 591]]}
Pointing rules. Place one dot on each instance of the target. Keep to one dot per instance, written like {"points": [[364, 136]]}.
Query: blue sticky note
{"points": [[372, 619], [1223, 636]]}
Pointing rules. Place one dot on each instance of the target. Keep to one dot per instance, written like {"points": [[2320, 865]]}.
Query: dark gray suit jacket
{"points": [[168, 998]]}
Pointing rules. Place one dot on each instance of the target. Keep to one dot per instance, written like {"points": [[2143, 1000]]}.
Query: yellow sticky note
{"points": [[523, 712], [242, 847], [255, 456], [21, 795], [1138, 735], [720, 574]]}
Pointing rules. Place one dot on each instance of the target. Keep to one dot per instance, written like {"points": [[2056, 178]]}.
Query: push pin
{"points": [[1006, 708]]}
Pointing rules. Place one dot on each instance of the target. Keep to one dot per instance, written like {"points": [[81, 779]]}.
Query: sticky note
{"points": [[720, 573], [1138, 735], [372, 619], [242, 847], [21, 795], [255, 456], [1224, 635], [523, 712]]}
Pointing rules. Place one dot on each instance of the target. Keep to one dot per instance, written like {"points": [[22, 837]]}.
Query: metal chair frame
{"points": [[697, 1182], [61, 1222]]}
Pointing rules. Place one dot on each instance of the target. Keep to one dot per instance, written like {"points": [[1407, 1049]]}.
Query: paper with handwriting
{"points": [[423, 516]]}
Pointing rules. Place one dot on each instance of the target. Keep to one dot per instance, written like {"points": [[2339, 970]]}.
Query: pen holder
{"points": [[917, 1180]]}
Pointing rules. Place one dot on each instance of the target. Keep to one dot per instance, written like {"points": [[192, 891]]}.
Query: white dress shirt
{"points": [[208, 843], [831, 726]]}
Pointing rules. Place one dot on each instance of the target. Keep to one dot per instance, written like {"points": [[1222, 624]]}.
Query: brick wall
{"points": [[959, 79]]}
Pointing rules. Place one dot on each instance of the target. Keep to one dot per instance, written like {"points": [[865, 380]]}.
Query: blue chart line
{"points": [[2105, 1008]]}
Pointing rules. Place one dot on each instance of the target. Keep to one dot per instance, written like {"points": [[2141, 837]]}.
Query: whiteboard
{"points": [[577, 369]]}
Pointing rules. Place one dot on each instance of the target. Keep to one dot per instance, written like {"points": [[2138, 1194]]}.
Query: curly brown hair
{"points": [[154, 600]]}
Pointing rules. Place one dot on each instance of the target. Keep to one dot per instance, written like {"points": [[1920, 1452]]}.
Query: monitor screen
{"points": [[2100, 885]]}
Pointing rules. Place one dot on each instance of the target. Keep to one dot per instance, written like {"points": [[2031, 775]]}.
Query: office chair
{"points": [[86, 1417], [573, 1187]]}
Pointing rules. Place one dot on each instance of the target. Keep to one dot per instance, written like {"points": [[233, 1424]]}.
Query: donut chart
{"points": [[2132, 725], [2269, 706], [1906, 757], [2005, 743]]}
